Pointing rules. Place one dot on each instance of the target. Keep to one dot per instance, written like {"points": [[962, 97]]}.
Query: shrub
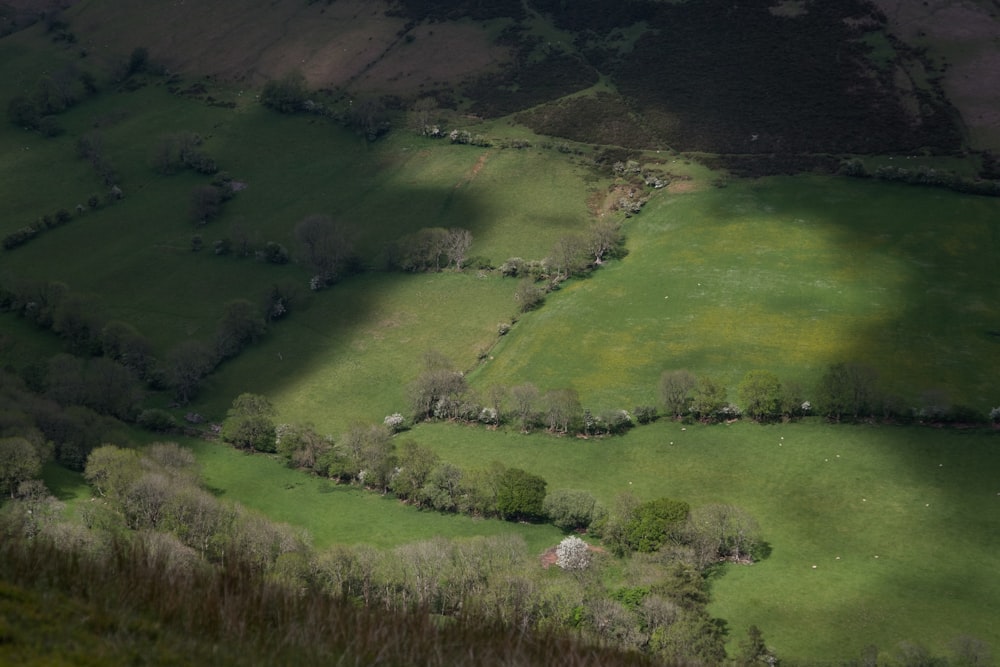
{"points": [[275, 253], [512, 268], [568, 509], [615, 422], [528, 295], [285, 95], [155, 419], [222, 247], [645, 414], [394, 422]]}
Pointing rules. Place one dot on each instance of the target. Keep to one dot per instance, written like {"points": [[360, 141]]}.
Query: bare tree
{"points": [[562, 409], [456, 246], [569, 255], [675, 390], [524, 397], [185, 365], [326, 246], [206, 203], [605, 238]]}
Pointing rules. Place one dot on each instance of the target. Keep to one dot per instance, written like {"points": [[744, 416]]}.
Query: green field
{"points": [[925, 502], [786, 275], [878, 535], [328, 512]]}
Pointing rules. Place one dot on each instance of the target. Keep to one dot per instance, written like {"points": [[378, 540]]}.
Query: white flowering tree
{"points": [[573, 554]]}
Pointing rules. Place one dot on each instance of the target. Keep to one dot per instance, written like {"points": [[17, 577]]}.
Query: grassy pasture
{"points": [[788, 275], [330, 513], [350, 356], [136, 254], [925, 502], [335, 514]]}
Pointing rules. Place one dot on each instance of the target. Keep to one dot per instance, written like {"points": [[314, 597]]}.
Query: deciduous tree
{"points": [[562, 409], [416, 462], [249, 423], [19, 462], [456, 246], [525, 399], [847, 390], [185, 366], [570, 509], [285, 95], [676, 387], [708, 399], [325, 246], [760, 393], [520, 495], [242, 323], [573, 554]]}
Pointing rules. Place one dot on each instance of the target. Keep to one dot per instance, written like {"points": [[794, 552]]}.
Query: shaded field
{"points": [[135, 256], [925, 502]]}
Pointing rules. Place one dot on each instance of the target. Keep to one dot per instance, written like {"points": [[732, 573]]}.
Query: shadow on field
{"points": [[910, 273]]}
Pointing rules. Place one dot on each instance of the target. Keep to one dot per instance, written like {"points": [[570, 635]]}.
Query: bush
{"points": [[275, 253], [520, 495], [286, 95], [645, 414], [155, 419], [528, 295], [568, 509], [206, 203], [395, 422], [615, 422]]}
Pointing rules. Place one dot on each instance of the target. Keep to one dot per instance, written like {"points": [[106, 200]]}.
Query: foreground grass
{"points": [[926, 502]]}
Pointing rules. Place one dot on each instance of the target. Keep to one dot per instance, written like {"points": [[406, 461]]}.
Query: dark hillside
{"points": [[713, 77], [757, 78]]}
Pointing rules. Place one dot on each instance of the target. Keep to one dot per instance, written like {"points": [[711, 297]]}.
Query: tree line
{"points": [[845, 392]]}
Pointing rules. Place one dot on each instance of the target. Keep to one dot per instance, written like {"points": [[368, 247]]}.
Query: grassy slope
{"points": [[925, 502]]}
